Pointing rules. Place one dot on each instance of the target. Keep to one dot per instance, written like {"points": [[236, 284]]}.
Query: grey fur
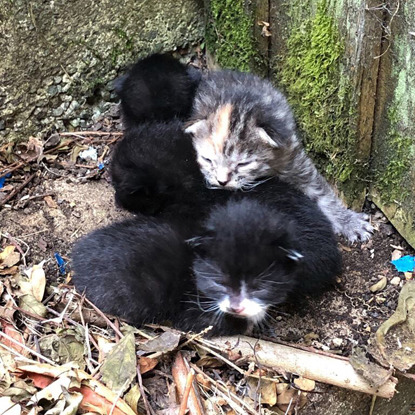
{"points": [[259, 141]]}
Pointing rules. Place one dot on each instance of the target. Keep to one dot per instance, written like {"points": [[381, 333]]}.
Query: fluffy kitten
{"points": [[248, 257], [158, 87], [154, 172], [243, 130]]}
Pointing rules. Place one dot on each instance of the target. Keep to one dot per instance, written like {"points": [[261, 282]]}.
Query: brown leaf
{"points": [[36, 282], [16, 335], [379, 286], [305, 384], [50, 202], [9, 257], [147, 364]]}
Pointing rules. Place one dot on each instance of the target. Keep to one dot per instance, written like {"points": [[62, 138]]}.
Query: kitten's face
{"points": [[232, 152], [243, 283]]}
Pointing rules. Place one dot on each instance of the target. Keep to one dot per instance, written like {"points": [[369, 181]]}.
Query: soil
{"points": [[68, 199]]}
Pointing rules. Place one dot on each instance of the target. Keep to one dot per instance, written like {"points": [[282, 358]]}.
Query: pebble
{"points": [[395, 281]]}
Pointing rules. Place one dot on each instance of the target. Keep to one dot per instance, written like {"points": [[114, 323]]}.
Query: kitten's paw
{"points": [[356, 227]]}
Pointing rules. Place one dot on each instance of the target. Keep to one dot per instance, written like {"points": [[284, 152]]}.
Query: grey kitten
{"points": [[244, 132]]}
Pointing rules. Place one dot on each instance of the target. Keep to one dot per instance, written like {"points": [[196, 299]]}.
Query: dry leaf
{"points": [[166, 342], [147, 364], [50, 202], [29, 303], [285, 397], [16, 335], [379, 286], [398, 348], [66, 345], [305, 384], [9, 257], [119, 367], [132, 397], [373, 373], [37, 281]]}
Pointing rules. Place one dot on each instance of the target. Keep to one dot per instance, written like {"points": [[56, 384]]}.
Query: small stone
{"points": [[57, 79], [395, 281], [408, 275], [337, 341]]}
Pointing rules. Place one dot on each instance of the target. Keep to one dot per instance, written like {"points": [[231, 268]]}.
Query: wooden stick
{"points": [[189, 382], [90, 133], [17, 190], [310, 365], [180, 372]]}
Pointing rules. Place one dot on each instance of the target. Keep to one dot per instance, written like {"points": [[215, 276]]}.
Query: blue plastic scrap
{"points": [[61, 263], [3, 179], [100, 166], [405, 264]]}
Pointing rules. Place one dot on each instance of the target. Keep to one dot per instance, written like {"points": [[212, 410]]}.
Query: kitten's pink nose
{"points": [[237, 309]]}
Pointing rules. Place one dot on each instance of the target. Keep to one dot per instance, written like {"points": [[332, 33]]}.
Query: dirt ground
{"points": [[67, 199]]}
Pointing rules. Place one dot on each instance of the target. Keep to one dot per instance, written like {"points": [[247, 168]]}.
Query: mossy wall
{"points": [[393, 155], [233, 34], [58, 57], [324, 61]]}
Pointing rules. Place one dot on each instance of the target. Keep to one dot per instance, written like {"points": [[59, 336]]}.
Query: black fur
{"points": [[140, 269], [135, 269], [158, 87], [154, 172]]}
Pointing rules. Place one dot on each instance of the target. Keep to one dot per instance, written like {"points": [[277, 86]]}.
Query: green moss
{"points": [[395, 163], [229, 34], [320, 94]]}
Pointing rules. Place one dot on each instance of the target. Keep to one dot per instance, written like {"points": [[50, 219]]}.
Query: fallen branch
{"points": [[17, 190], [180, 372], [310, 365]]}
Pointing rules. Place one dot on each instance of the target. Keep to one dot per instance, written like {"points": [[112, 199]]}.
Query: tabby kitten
{"points": [[244, 131]]}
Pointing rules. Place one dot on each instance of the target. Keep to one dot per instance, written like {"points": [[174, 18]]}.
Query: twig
{"points": [[372, 405], [118, 396], [188, 387], [65, 134], [242, 407], [143, 394], [28, 313], [18, 247], [109, 322], [18, 189], [180, 372], [26, 348]]}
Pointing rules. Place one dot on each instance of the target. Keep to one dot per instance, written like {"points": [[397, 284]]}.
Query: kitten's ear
{"points": [[194, 127], [264, 136]]}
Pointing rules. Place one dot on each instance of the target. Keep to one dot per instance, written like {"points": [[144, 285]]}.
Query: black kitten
{"points": [[154, 172], [135, 269], [158, 87], [248, 257]]}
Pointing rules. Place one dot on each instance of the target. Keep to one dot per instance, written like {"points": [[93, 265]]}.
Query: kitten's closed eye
{"points": [[244, 163], [207, 159]]}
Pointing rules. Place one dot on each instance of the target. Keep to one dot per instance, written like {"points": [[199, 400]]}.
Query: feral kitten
{"points": [[132, 269], [158, 87], [154, 172], [248, 257], [243, 131]]}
